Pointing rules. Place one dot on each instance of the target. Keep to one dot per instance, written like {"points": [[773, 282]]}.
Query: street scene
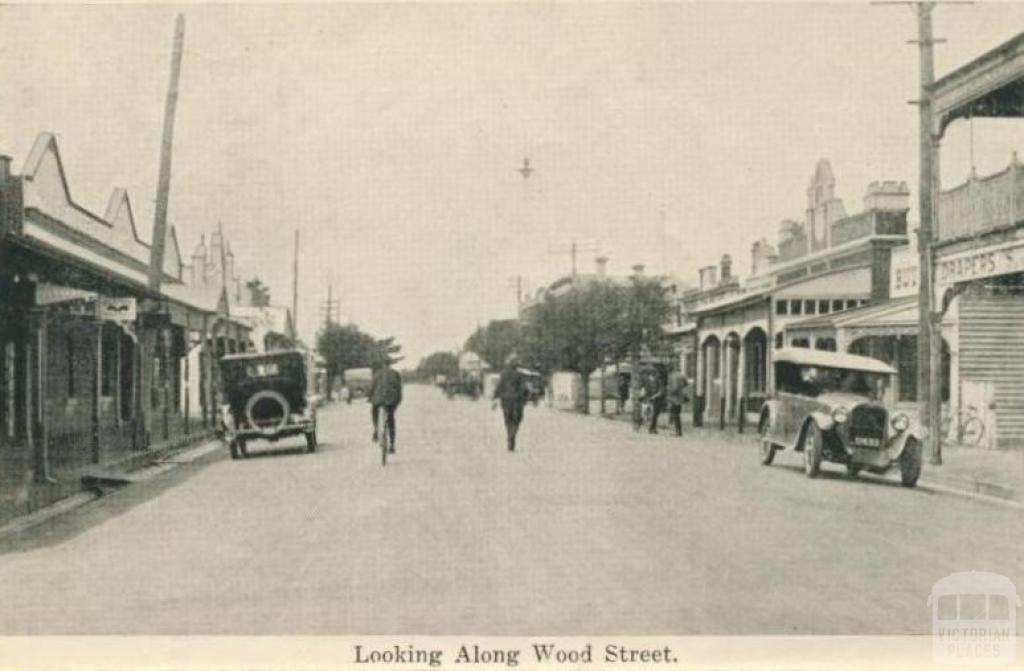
{"points": [[587, 522], [513, 319]]}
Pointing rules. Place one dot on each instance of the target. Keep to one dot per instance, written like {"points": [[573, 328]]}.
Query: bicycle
{"points": [[643, 418], [970, 428]]}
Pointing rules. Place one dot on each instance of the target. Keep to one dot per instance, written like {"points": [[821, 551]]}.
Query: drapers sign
{"points": [[979, 263]]}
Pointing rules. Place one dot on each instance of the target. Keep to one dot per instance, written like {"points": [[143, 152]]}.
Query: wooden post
{"points": [[721, 414], [42, 452], [156, 257], [743, 414], [926, 186], [97, 391]]}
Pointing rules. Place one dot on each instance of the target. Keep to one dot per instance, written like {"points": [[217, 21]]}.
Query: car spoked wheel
{"points": [[813, 446], [767, 448], [910, 462]]}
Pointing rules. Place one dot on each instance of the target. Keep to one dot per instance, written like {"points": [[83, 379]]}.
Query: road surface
{"points": [[589, 529]]}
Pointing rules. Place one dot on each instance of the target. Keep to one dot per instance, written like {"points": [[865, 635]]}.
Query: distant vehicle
{"points": [[266, 394], [838, 407], [359, 381]]}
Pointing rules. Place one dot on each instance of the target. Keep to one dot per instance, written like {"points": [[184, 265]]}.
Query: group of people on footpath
{"points": [[664, 394]]}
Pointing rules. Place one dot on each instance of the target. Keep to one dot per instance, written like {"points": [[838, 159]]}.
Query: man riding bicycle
{"points": [[385, 393]]}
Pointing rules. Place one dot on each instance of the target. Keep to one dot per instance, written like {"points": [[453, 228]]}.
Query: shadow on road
{"points": [[839, 476]]}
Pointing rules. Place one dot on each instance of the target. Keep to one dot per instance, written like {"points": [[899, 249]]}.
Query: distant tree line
{"points": [[346, 346]]}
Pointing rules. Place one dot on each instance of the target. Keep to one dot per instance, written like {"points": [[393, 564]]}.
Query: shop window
{"points": [[837, 306], [796, 307], [809, 307], [782, 307], [850, 304], [823, 307]]}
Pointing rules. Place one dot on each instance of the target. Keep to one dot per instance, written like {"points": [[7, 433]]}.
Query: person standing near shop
{"points": [[675, 398], [511, 392]]}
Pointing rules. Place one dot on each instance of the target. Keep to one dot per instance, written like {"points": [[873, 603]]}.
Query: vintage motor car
{"points": [[266, 399], [838, 407]]}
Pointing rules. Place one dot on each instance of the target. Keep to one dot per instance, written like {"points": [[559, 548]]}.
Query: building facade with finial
{"points": [[830, 262]]}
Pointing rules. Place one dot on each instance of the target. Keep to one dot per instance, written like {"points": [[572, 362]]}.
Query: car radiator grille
{"points": [[867, 426]]}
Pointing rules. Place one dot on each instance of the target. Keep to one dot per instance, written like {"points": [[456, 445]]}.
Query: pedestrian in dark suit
{"points": [[386, 393], [512, 392]]}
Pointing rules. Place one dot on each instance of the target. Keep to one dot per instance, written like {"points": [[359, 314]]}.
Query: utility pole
{"points": [[295, 288], [156, 256], [929, 340], [573, 248], [329, 308]]}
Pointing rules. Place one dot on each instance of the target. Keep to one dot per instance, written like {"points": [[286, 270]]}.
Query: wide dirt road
{"points": [[589, 529]]}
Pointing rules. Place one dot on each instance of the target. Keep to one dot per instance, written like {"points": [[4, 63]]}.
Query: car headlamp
{"points": [[900, 422], [840, 415]]}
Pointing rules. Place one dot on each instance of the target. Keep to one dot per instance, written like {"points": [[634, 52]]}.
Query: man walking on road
{"points": [[512, 392], [386, 393]]}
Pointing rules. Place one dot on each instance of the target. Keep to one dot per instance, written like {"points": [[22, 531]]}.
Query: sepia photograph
{"points": [[542, 334]]}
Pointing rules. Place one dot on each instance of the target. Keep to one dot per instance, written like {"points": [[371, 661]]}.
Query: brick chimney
{"points": [[601, 264], [726, 265], [708, 277]]}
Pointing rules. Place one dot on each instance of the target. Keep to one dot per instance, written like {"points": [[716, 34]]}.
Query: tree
{"points": [[438, 363], [644, 311], [344, 347], [259, 293], [494, 342], [574, 331]]}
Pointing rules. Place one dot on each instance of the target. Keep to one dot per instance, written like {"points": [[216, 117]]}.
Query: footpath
{"points": [[973, 472], [134, 467]]}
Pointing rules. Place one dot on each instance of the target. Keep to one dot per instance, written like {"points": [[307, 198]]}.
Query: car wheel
{"points": [[910, 462], [767, 448], [853, 470], [813, 446]]}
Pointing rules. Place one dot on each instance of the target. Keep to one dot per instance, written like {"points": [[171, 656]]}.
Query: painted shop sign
{"points": [[977, 264]]}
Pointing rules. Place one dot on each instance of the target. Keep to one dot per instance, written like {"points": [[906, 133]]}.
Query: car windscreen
{"points": [[816, 380]]}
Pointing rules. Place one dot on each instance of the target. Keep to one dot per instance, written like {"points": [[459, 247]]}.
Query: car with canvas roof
{"points": [[839, 408]]}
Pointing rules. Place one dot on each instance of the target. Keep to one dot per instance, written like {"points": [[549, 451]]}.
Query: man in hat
{"points": [[512, 392]]}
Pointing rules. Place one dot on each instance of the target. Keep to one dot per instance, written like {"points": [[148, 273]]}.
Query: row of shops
{"points": [[849, 283], [94, 366]]}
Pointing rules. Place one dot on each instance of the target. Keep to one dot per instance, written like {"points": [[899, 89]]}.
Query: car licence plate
{"points": [[867, 442]]}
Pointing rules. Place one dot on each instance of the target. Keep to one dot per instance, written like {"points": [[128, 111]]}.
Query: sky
{"points": [[389, 135]]}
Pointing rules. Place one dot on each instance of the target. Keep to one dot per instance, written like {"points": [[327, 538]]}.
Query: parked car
{"points": [[840, 408], [266, 399]]}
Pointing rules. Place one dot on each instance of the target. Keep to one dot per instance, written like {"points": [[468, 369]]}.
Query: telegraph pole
{"points": [[156, 256], [929, 340], [573, 248], [329, 308]]}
